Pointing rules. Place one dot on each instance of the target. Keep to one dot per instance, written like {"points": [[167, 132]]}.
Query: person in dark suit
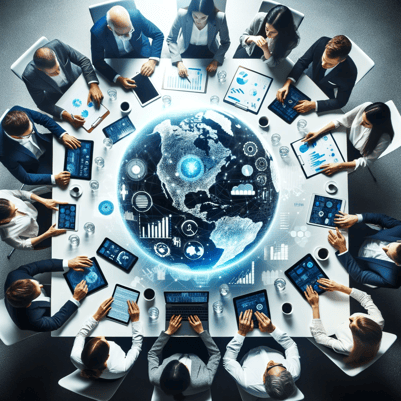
{"points": [[54, 68], [377, 261], [121, 33], [331, 70], [26, 153], [28, 305]]}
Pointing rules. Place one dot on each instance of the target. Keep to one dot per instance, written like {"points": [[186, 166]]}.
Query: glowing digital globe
{"points": [[197, 190]]}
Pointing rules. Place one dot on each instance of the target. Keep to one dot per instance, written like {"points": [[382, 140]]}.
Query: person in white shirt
{"points": [[99, 358], [194, 35], [19, 227], [369, 130], [271, 36], [263, 372], [360, 336]]}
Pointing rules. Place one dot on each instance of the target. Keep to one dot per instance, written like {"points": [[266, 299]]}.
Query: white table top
{"points": [[288, 227]]}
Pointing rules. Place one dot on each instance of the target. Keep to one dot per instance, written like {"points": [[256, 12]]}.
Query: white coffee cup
{"points": [[264, 122], [322, 253], [125, 107], [287, 308], [331, 187]]}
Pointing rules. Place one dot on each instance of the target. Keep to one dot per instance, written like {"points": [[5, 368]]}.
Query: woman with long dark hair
{"points": [[369, 130], [271, 36], [99, 358], [360, 336], [194, 35]]}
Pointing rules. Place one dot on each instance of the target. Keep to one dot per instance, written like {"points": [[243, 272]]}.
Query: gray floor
{"points": [[30, 370]]}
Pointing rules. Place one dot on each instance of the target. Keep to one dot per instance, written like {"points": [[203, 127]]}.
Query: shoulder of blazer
{"points": [[98, 29]]}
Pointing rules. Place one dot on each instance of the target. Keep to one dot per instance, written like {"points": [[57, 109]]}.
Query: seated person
{"points": [[99, 358], [370, 132], [331, 70], [54, 68], [359, 337], [263, 372], [377, 257], [21, 226], [271, 36], [28, 304], [121, 33], [26, 153], [194, 35], [183, 374]]}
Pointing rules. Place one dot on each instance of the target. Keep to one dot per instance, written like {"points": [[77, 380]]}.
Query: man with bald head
{"points": [[54, 68], [125, 33]]}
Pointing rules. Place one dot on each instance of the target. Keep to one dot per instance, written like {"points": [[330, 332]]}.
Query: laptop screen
{"points": [[186, 297]]}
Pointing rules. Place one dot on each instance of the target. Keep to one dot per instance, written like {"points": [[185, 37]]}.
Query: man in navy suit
{"points": [[378, 259], [26, 153], [121, 33], [330, 68], [29, 306]]}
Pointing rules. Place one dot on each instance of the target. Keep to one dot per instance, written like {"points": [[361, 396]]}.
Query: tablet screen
{"points": [[324, 210], [256, 301], [79, 161], [67, 217], [93, 275], [119, 307], [117, 255], [119, 129], [304, 273], [144, 89]]}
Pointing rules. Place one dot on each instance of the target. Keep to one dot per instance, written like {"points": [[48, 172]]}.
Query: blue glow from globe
{"points": [[190, 168]]}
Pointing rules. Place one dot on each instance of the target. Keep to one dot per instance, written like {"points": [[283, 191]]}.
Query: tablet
{"points": [[257, 301], [323, 209], [93, 275], [79, 161], [286, 110], [68, 217], [145, 92], [119, 129], [117, 255], [119, 307], [305, 272]]}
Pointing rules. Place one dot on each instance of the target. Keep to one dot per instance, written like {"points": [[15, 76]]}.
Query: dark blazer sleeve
{"points": [[358, 274], [43, 266], [214, 356], [380, 219], [97, 50], [18, 171], [46, 121], [154, 358], [304, 62], [152, 31]]}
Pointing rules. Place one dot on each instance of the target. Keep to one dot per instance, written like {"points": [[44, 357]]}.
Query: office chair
{"points": [[158, 395], [297, 396], [362, 61], [267, 5]]}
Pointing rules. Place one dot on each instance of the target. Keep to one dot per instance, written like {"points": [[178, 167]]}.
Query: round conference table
{"points": [[288, 240]]}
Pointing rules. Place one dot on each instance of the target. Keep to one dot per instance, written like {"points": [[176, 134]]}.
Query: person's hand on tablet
{"points": [[330, 285], [265, 324], [312, 297], [303, 106], [337, 240], [175, 324], [70, 141], [62, 179], [103, 309], [51, 203], [245, 322], [79, 263], [195, 323], [80, 291], [345, 220], [283, 92], [133, 311], [126, 83]]}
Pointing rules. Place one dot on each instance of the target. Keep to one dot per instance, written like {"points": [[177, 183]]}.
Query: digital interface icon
{"points": [[193, 250], [162, 249], [141, 201], [106, 208], [136, 169], [189, 228]]}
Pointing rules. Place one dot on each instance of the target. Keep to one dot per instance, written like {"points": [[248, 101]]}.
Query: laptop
{"points": [[185, 304]]}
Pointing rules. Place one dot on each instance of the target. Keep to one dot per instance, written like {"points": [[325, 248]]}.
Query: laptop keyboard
{"points": [[186, 311]]}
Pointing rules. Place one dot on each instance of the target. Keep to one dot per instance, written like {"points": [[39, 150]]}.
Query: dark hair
{"points": [[5, 209], [379, 115], [44, 58], [15, 122], [94, 356], [338, 47], [281, 18], [21, 293], [279, 387], [175, 379], [367, 336], [206, 7], [397, 257]]}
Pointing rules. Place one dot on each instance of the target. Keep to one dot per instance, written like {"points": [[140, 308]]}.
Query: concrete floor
{"points": [[31, 369]]}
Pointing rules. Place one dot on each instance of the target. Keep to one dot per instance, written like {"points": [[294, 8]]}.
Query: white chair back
{"points": [[338, 359], [267, 5], [158, 395], [9, 332], [100, 390], [219, 4], [18, 67], [396, 122], [297, 396], [4, 114], [362, 61], [99, 10]]}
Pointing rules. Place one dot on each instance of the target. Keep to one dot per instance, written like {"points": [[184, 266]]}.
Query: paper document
{"points": [[196, 82]]}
